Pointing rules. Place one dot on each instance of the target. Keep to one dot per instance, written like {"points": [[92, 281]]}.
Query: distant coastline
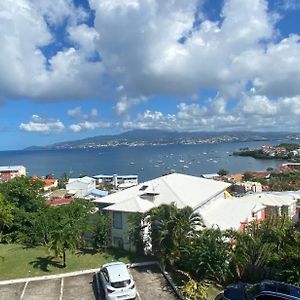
{"points": [[139, 138], [284, 151]]}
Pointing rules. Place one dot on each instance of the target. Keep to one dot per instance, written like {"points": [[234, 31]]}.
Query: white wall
{"points": [[121, 233]]}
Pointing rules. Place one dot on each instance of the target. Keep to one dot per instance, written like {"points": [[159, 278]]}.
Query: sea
{"points": [[145, 161]]}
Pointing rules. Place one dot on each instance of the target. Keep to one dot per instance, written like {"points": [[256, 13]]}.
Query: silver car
{"points": [[117, 281]]}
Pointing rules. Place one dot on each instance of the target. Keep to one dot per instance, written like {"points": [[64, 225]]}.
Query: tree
{"points": [[285, 236], [206, 256], [71, 224], [247, 176], [24, 193], [42, 223], [250, 255], [171, 227], [63, 180], [135, 232], [223, 172], [6, 215], [101, 232]]}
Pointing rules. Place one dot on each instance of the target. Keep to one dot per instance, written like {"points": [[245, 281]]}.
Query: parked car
{"points": [[117, 281], [266, 290]]}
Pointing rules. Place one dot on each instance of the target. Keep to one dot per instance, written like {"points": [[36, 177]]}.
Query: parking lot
{"points": [[66, 288], [150, 283]]}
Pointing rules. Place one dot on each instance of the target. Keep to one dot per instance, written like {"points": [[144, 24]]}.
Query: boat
{"points": [[181, 160], [185, 167], [131, 163]]}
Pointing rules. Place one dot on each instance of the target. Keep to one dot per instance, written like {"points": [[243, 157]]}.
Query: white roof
{"points": [[85, 179], [184, 190], [272, 199], [210, 176], [126, 185], [134, 204], [295, 194], [11, 168], [228, 213]]}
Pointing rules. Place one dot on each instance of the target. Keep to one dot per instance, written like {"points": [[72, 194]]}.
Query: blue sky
{"points": [[78, 68]]}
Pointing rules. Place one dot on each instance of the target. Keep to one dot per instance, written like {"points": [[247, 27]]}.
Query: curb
{"points": [[37, 278]]}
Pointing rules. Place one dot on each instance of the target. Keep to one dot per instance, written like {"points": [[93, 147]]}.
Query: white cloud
{"points": [[88, 125], [94, 113], [85, 37], [149, 60], [251, 113], [140, 57], [42, 125], [288, 4], [125, 103], [86, 121], [258, 105], [59, 11], [77, 113], [26, 71], [75, 128]]}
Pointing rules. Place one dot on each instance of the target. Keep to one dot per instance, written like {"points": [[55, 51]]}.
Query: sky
{"points": [[71, 69]]}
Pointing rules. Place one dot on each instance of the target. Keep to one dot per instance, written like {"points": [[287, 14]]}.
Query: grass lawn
{"points": [[16, 261]]}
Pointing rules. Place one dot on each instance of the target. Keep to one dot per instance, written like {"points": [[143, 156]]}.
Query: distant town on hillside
{"points": [[141, 137]]}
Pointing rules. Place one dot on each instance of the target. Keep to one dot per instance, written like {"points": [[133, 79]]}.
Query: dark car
{"points": [[266, 290]]}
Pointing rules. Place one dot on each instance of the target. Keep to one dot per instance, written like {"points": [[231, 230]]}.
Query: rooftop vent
{"points": [[143, 188]]}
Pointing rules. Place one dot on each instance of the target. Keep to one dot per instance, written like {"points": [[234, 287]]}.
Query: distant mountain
{"points": [[140, 137]]}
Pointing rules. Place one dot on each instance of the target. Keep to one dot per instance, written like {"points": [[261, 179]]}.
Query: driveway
{"points": [[151, 284]]}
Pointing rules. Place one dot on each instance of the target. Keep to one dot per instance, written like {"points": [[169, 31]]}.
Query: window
{"points": [[117, 220], [120, 284], [118, 242], [105, 274]]}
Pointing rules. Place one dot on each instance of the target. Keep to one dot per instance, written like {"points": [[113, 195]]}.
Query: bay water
{"points": [[146, 161]]}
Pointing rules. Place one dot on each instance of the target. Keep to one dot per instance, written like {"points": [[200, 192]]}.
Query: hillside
{"points": [[141, 137]]}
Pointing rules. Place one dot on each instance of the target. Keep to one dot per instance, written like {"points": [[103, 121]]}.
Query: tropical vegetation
{"points": [[266, 250], [26, 219], [175, 236]]}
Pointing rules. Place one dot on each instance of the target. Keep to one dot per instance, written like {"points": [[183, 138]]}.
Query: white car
{"points": [[117, 282]]}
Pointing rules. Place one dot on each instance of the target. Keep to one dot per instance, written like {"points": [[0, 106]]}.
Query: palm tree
{"points": [[171, 228], [251, 254], [62, 240], [206, 256]]}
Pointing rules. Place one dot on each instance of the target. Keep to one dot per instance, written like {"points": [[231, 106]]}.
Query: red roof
{"points": [[49, 181], [260, 174], [59, 201]]}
